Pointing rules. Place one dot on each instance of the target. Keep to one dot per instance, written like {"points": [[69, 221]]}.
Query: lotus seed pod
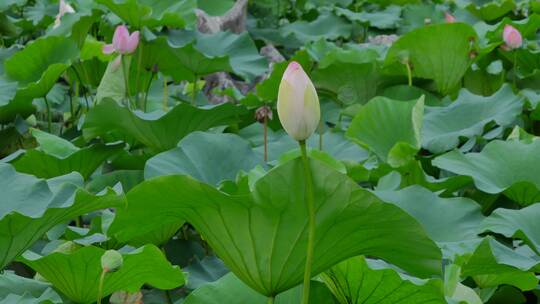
{"points": [[111, 261], [298, 104]]}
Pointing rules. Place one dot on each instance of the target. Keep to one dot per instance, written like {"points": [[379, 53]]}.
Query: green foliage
{"points": [[171, 155]]}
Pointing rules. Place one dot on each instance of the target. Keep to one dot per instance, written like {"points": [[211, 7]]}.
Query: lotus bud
{"points": [[512, 37], [298, 103], [123, 42], [449, 18], [111, 261]]}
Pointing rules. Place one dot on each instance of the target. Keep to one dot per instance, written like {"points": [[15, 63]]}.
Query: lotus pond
{"points": [[259, 152]]}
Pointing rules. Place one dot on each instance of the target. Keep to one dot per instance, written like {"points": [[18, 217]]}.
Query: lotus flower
{"points": [[123, 42], [512, 37], [298, 104], [63, 8], [449, 18]]}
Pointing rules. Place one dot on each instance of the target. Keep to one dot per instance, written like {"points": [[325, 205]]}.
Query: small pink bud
{"points": [[512, 37], [123, 42], [449, 18]]}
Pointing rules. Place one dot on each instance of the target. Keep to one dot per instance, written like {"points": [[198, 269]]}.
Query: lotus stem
{"points": [[409, 73], [515, 69], [78, 84], [145, 103], [265, 124], [100, 288], [194, 93], [270, 300], [311, 221], [138, 78], [165, 94], [49, 116], [126, 80]]}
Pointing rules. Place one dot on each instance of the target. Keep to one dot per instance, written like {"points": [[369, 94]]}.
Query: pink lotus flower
{"points": [[449, 18], [63, 8], [123, 42], [512, 37]]}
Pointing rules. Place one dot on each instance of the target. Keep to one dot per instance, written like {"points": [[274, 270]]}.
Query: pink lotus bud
{"points": [[63, 8], [512, 37], [298, 104], [449, 18], [123, 42]]}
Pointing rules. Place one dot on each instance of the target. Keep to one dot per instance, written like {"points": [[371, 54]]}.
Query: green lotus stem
{"points": [[100, 288], [270, 300], [126, 81], [81, 85], [265, 124], [145, 103], [515, 68], [409, 73], [311, 221], [49, 116], [165, 94], [168, 296], [138, 77], [194, 93]]}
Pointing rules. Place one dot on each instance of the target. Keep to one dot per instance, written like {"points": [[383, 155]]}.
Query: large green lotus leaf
{"points": [[230, 289], [444, 219], [229, 155], [261, 236], [405, 92], [85, 161], [353, 75], [243, 55], [522, 224], [502, 166], [327, 26], [153, 13], [40, 63], [21, 290], [156, 130], [387, 18], [77, 274], [75, 26], [415, 16], [389, 128], [35, 69], [183, 61], [33, 206], [443, 55], [467, 117], [488, 10], [52, 144], [359, 280], [492, 264]]}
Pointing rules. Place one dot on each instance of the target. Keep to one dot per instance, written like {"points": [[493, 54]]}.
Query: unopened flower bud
{"points": [[298, 104], [512, 37], [111, 261]]}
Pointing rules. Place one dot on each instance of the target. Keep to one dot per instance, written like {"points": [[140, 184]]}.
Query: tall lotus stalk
{"points": [[512, 40], [299, 113], [124, 44]]}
